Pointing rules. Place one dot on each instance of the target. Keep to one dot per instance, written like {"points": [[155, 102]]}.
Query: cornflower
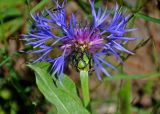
{"points": [[84, 46]]}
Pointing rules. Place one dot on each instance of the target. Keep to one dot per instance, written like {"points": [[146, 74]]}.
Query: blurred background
{"points": [[135, 88]]}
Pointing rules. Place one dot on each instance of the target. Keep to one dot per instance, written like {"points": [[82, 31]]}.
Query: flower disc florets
{"points": [[84, 46], [85, 43]]}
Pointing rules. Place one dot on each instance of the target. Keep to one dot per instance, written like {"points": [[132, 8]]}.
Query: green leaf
{"points": [[64, 97], [39, 5], [147, 18], [120, 2], [10, 27], [11, 12], [84, 6], [126, 76], [10, 3]]}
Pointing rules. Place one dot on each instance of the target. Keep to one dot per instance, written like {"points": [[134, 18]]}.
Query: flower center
{"points": [[81, 58]]}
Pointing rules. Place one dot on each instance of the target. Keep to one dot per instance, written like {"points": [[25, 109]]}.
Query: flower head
{"points": [[84, 46]]}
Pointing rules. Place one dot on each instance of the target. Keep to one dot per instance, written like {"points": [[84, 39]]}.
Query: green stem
{"points": [[85, 87], [39, 5], [125, 97]]}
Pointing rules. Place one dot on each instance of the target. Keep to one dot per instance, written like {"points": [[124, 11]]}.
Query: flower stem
{"points": [[85, 88], [125, 97]]}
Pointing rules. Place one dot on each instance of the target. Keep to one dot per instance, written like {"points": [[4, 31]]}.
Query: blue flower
{"points": [[83, 46]]}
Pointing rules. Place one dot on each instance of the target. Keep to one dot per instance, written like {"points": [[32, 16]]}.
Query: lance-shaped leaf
{"points": [[64, 97]]}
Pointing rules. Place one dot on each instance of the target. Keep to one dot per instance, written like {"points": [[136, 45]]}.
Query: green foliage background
{"points": [[19, 93]]}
